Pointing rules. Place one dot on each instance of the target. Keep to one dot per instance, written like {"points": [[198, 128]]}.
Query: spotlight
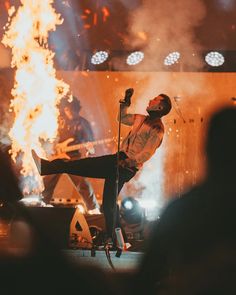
{"points": [[214, 59], [172, 58], [128, 204], [131, 211], [134, 58], [99, 57]]}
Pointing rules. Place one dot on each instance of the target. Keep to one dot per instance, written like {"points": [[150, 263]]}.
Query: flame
{"points": [[37, 91], [93, 17], [7, 4], [106, 13]]}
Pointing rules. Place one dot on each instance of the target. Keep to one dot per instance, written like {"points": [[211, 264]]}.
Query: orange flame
{"points": [[95, 19], [7, 4], [37, 91], [106, 13]]}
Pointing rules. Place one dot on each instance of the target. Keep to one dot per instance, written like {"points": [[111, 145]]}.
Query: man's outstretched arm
{"points": [[126, 118]]}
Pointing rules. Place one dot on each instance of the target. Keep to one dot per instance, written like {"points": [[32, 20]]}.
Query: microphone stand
{"points": [[118, 232], [116, 190], [119, 251]]}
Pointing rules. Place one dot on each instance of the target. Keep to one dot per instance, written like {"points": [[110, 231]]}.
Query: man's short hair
{"points": [[167, 104]]}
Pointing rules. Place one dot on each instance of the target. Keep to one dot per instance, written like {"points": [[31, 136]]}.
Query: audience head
{"points": [[221, 144], [9, 189]]}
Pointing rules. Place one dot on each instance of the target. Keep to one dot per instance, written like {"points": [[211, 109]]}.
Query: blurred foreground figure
{"points": [[193, 245], [29, 262]]}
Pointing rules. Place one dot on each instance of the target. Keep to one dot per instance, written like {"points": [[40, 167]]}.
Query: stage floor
{"points": [[127, 262]]}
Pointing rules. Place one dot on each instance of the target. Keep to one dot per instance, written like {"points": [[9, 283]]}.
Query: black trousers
{"points": [[103, 167]]}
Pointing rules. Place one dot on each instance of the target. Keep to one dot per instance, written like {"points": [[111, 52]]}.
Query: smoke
{"points": [[150, 184], [160, 27]]}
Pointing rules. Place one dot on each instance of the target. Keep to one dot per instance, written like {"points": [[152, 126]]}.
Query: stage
{"points": [[74, 233], [127, 262]]}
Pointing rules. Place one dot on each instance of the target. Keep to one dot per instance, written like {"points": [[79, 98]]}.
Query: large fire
{"points": [[37, 91]]}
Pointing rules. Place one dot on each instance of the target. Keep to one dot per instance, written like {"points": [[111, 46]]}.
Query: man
{"points": [[192, 248], [73, 129], [137, 147]]}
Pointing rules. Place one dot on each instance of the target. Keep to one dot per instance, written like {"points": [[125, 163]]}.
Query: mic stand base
{"points": [[118, 252]]}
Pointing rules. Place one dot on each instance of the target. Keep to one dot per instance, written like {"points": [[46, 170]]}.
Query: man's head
{"points": [[70, 108], [221, 144], [159, 105]]}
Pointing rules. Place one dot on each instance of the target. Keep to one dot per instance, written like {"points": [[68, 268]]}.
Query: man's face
{"points": [[68, 113], [155, 104]]}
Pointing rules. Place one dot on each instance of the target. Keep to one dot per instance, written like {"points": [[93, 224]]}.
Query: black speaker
{"points": [[66, 227]]}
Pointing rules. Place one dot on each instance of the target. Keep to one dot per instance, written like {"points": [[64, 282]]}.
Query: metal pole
{"points": [[117, 174]]}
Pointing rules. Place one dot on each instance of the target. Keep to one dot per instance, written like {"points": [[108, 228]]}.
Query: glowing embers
{"points": [[135, 58], [172, 58], [99, 57], [214, 59]]}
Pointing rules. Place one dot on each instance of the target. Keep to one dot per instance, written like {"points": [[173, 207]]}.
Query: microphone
{"points": [[127, 99]]}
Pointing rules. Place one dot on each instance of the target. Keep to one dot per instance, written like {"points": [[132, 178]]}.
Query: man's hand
{"points": [[90, 149], [61, 147], [59, 152], [127, 99]]}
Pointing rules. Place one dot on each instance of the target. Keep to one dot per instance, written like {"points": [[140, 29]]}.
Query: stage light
{"points": [[172, 58], [99, 57], [131, 211], [128, 204], [134, 58], [214, 59]]}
